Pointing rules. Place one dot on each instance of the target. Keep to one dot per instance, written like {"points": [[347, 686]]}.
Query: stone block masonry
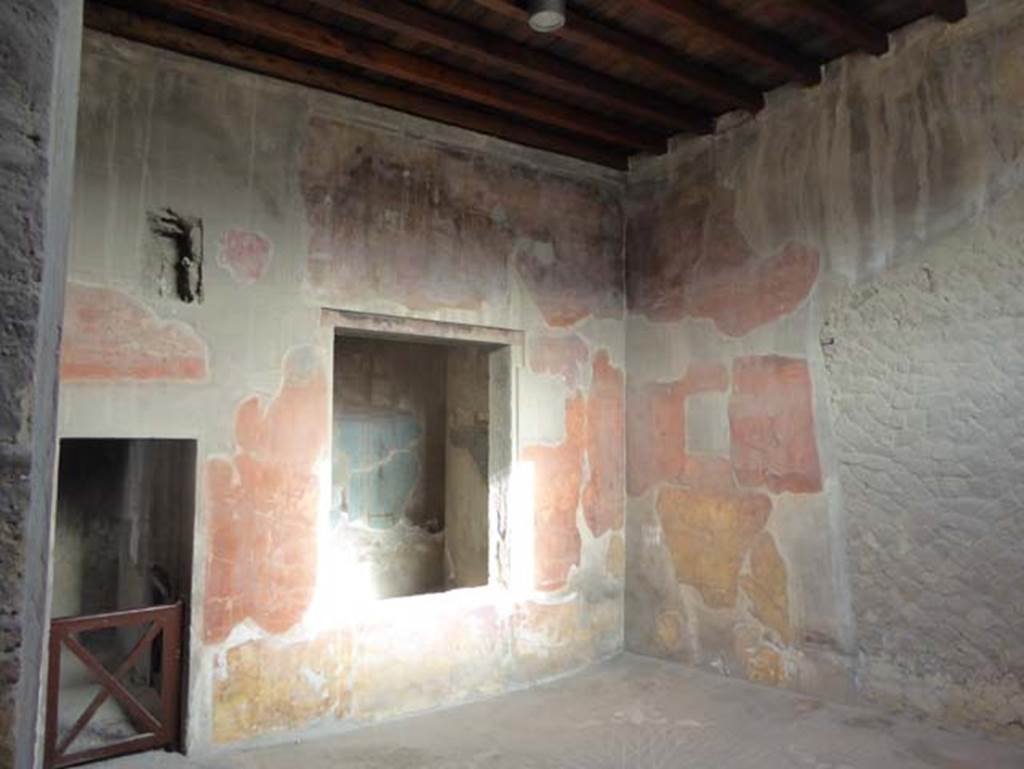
{"points": [[39, 58]]}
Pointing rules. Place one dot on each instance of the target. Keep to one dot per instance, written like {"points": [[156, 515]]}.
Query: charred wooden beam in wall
{"points": [[950, 10], [643, 55], [172, 37], [184, 237], [483, 47], [332, 44], [845, 24], [735, 35]]}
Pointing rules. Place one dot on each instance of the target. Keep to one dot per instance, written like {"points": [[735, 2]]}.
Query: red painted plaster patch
{"points": [[430, 229], [656, 432], [111, 336], [246, 255], [771, 424], [388, 222], [603, 496], [558, 355], [691, 260], [574, 266], [263, 505], [558, 476], [739, 300]]}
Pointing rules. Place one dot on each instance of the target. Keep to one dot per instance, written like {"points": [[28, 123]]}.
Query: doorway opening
{"points": [[122, 573]]}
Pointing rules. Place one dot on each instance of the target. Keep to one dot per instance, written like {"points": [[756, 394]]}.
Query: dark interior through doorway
{"points": [[123, 540]]}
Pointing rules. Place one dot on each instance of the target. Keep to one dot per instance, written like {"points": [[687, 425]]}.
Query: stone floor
{"points": [[630, 713]]}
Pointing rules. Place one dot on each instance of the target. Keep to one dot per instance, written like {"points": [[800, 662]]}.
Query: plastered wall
{"points": [[840, 242], [217, 213], [467, 465], [824, 390]]}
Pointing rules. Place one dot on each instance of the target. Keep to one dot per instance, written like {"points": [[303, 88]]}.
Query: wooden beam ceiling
{"points": [[737, 36], [486, 48], [950, 10], [645, 55], [845, 24], [176, 38], [333, 44], [611, 82]]}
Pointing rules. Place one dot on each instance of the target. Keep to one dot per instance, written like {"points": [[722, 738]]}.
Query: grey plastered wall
{"points": [[365, 211], [467, 462], [39, 54], [901, 176]]}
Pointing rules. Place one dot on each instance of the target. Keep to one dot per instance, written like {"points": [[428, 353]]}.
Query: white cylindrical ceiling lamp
{"points": [[547, 15]]}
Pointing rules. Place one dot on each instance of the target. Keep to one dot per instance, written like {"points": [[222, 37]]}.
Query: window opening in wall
{"points": [[411, 444], [122, 566]]}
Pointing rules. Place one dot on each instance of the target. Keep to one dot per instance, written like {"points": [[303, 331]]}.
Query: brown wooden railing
{"points": [[154, 730]]}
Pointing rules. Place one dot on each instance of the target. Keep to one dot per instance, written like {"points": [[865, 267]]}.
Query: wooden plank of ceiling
{"points": [[484, 47], [175, 38], [950, 10], [735, 35], [845, 24], [335, 45], [643, 55]]}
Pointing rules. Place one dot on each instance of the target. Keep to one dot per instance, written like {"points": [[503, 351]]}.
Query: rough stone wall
{"points": [[764, 540], [926, 372], [282, 201], [39, 43]]}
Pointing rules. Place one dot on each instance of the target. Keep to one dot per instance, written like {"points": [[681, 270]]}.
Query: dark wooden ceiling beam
{"points": [[644, 55], [735, 35], [175, 38], [950, 10], [845, 24], [332, 44], [483, 47]]}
